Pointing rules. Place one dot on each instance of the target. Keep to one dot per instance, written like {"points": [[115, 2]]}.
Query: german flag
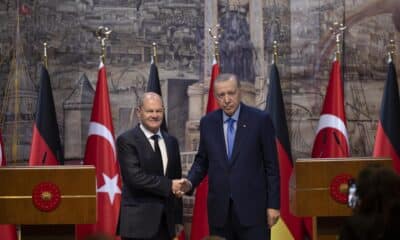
{"points": [[387, 139], [46, 146], [153, 85], [289, 227]]}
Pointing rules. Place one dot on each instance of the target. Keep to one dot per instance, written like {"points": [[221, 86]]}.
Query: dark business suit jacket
{"points": [[146, 192], [250, 178]]}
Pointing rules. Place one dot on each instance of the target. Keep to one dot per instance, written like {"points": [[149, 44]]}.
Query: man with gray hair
{"points": [[238, 152], [150, 167]]}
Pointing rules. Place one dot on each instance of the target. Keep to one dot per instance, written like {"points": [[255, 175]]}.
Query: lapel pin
{"points": [[244, 125]]}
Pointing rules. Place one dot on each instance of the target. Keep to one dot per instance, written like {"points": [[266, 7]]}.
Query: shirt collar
{"points": [[235, 115], [148, 133]]}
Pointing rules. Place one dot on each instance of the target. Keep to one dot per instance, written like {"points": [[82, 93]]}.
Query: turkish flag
{"points": [[211, 102], [331, 140], [200, 216], [181, 235], [7, 231], [387, 140], [100, 152]]}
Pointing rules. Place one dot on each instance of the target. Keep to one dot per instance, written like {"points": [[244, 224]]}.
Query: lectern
{"points": [[318, 188], [47, 195]]}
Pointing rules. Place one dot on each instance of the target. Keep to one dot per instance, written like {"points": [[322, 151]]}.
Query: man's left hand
{"points": [[178, 230], [272, 216]]}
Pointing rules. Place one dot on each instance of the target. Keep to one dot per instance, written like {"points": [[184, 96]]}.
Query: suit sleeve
{"points": [[133, 176], [199, 168], [271, 165]]}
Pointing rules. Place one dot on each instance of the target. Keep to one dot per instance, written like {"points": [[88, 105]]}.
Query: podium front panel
{"points": [[73, 187], [311, 182]]}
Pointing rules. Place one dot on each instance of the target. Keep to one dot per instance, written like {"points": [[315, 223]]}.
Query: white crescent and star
{"points": [[100, 130], [110, 187], [110, 182]]}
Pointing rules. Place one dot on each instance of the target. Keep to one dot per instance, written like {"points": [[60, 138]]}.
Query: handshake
{"points": [[180, 187]]}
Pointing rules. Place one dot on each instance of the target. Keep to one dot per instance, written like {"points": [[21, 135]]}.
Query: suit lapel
{"points": [[142, 140], [168, 146]]}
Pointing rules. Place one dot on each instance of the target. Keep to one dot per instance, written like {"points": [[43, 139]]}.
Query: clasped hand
{"points": [[180, 187]]}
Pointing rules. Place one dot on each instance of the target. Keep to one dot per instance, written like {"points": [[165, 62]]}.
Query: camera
{"points": [[351, 194]]}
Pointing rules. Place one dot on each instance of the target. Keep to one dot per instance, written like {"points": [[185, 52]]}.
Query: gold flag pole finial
{"points": [[275, 52], [338, 29], [45, 60], [391, 48], [154, 53], [102, 34], [215, 33]]}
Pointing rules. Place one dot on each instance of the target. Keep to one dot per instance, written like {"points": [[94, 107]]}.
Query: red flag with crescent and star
{"points": [[101, 152], [331, 139], [200, 216]]}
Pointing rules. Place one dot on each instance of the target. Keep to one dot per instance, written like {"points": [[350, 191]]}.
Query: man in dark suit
{"points": [[150, 166], [238, 152]]}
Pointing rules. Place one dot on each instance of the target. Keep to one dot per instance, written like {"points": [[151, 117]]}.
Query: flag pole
{"points": [[274, 61], [45, 55], [391, 48], [103, 34], [338, 29], [102, 154], [215, 33], [154, 44], [200, 214], [275, 52]]}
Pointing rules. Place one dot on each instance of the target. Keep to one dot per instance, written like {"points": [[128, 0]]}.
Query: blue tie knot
{"points": [[231, 123]]}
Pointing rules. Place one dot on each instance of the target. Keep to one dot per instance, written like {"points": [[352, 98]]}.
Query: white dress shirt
{"points": [[161, 144]]}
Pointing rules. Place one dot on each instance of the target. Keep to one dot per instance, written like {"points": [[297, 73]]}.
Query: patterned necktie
{"points": [[230, 135]]}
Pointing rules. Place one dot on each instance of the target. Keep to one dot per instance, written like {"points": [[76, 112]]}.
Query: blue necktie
{"points": [[230, 135]]}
